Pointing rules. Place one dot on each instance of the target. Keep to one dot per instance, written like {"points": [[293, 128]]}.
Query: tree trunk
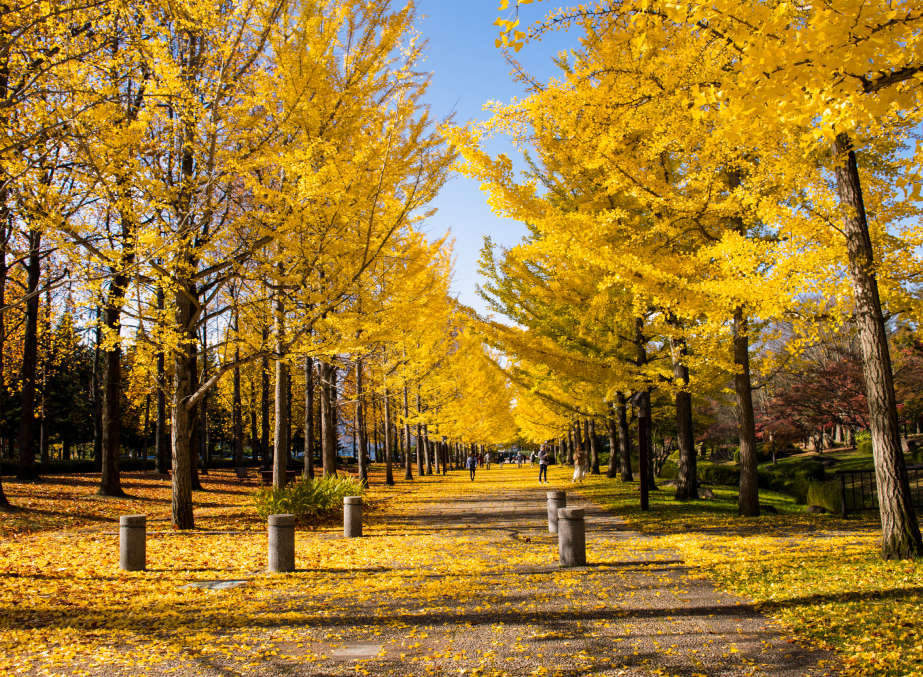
{"points": [[45, 460], [237, 404], [687, 487], [65, 450], [328, 441], [264, 407], [594, 445], [111, 483], [389, 471], [408, 471], [334, 417], [4, 273], [280, 441], [161, 444], [195, 440], [900, 531], [644, 429], [749, 501], [309, 417], [420, 450], [254, 433], [183, 416], [612, 470], [145, 445], [360, 427], [28, 372]]}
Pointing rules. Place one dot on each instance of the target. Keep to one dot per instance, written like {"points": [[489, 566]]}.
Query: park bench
{"points": [[243, 474]]}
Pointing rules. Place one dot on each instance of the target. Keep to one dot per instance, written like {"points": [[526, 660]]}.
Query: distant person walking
{"points": [[487, 461], [542, 465], [532, 460], [519, 459], [579, 470], [472, 464]]}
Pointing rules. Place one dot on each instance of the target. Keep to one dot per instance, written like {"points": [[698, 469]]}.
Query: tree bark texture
{"points": [[161, 443], [900, 530], [28, 372], [183, 423], [749, 501]]}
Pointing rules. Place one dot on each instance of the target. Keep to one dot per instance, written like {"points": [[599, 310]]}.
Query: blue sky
{"points": [[467, 72]]}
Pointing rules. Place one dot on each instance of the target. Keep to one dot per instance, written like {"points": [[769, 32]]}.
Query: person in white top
{"points": [[579, 470]]}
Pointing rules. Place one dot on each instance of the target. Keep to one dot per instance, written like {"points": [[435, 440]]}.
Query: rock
{"points": [[771, 509], [706, 493], [669, 483], [816, 509]]}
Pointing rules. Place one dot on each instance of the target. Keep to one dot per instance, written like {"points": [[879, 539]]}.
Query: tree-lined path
{"points": [[452, 577]]}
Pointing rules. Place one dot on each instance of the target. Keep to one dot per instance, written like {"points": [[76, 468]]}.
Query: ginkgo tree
{"points": [[860, 58]]}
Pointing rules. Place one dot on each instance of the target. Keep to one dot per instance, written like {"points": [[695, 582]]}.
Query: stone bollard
{"points": [[281, 543], [571, 537], [556, 500], [133, 542], [352, 516]]}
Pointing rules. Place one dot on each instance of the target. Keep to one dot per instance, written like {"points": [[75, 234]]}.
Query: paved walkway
{"points": [[504, 608]]}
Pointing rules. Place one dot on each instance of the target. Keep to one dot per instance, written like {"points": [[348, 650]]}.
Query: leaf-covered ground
{"points": [[447, 586]]}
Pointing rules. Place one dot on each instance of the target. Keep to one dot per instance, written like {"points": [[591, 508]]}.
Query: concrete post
{"points": [[571, 537], [556, 500], [352, 516], [133, 542], [281, 543]]}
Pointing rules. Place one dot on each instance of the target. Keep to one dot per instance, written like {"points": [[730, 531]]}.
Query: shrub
{"points": [[826, 494], [669, 471], [737, 457], [306, 498], [724, 475], [864, 447], [798, 488]]}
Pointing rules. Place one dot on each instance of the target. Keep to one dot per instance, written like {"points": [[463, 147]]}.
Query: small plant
{"points": [[306, 498], [864, 447]]}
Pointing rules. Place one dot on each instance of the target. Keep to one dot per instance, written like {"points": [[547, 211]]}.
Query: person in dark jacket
{"points": [[543, 465]]}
